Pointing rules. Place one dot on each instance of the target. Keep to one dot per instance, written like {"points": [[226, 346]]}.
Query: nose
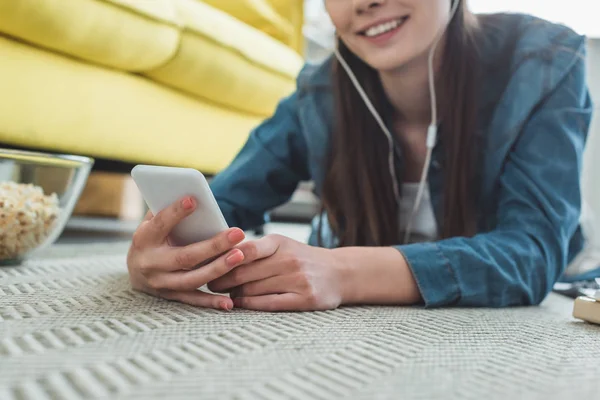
{"points": [[364, 6]]}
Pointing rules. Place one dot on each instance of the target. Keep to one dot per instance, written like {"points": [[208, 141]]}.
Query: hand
{"points": [[158, 269], [280, 274]]}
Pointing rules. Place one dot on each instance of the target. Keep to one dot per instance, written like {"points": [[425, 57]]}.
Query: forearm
{"points": [[373, 275], [498, 269]]}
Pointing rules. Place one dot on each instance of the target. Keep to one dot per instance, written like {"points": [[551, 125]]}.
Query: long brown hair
{"points": [[357, 193]]}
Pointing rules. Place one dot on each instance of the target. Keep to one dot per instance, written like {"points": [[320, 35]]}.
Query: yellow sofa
{"points": [[170, 82]]}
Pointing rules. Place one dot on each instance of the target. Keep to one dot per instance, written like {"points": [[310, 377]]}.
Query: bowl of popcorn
{"points": [[38, 193]]}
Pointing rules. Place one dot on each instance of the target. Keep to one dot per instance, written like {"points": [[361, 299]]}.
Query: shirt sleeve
{"points": [[266, 171], [518, 262]]}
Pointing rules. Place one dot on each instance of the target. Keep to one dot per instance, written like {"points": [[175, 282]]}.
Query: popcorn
{"points": [[27, 217]]}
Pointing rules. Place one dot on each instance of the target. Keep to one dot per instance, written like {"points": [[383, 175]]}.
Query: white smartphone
{"points": [[162, 186]]}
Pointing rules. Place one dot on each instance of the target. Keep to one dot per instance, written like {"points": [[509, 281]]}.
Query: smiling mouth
{"points": [[384, 28]]}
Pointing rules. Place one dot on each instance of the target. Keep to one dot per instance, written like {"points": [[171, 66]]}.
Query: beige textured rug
{"points": [[70, 328]]}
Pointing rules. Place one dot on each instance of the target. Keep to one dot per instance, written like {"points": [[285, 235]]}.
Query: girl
{"points": [[446, 149]]}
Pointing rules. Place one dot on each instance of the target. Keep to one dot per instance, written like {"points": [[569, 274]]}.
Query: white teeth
{"points": [[383, 28]]}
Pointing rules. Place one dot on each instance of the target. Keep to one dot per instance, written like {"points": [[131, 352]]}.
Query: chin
{"points": [[386, 62]]}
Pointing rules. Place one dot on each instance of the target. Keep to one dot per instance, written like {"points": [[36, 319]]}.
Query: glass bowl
{"points": [[38, 193]]}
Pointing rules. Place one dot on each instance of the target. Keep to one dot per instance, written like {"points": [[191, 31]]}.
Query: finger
{"points": [[244, 274], [253, 251], [158, 228], [272, 302], [198, 298], [191, 280], [148, 216], [139, 240], [259, 249], [274, 285], [189, 257]]}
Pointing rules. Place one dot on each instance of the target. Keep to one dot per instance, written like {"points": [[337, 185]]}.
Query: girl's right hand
{"points": [[158, 269]]}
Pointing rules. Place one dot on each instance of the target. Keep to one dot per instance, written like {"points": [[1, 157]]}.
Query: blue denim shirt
{"points": [[535, 135]]}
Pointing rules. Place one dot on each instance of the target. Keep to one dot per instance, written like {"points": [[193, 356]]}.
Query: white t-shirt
{"points": [[424, 226]]}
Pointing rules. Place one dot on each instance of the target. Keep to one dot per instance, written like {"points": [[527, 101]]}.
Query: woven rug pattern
{"points": [[71, 328]]}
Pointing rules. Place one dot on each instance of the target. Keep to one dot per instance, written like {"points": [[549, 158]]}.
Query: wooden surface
{"points": [[112, 195]]}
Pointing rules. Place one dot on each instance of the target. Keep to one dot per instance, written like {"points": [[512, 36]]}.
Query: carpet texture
{"points": [[71, 328]]}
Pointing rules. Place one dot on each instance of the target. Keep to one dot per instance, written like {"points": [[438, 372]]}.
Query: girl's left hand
{"points": [[281, 274]]}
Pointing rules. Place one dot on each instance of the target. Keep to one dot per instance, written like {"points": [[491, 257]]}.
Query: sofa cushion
{"points": [[55, 103], [292, 11], [227, 62], [130, 35], [259, 14]]}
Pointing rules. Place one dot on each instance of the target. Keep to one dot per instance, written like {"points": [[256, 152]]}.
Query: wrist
{"points": [[348, 276], [375, 276]]}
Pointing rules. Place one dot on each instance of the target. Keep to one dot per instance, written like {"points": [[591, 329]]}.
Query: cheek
{"points": [[427, 17], [424, 27], [341, 18], [340, 15], [433, 18]]}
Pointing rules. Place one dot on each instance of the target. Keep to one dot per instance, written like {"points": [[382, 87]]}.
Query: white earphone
{"points": [[431, 131]]}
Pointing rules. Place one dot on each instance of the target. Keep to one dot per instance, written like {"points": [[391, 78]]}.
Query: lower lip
{"points": [[384, 37]]}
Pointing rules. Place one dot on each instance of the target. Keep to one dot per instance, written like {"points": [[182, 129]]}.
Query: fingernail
{"points": [[233, 258], [226, 306], [188, 203], [235, 236]]}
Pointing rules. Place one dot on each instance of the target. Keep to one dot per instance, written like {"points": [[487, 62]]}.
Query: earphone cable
{"points": [[379, 121]]}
